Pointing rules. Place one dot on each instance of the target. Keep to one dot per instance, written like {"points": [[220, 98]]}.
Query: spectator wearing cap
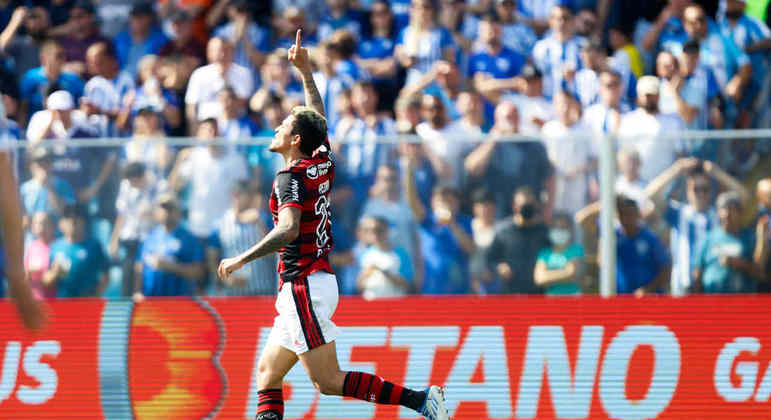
{"points": [[240, 228], [504, 166], [198, 166], [142, 37], [723, 261], [153, 95], [44, 192], [643, 264], [557, 55], [78, 262], [517, 35], [37, 254], [340, 15], [87, 169], [134, 205], [376, 53], [689, 89], [642, 129], [604, 117], [571, 152], [251, 41], [183, 46], [492, 65], [23, 37], [36, 82], [80, 32], [171, 259], [423, 42], [533, 109], [207, 81], [691, 221]]}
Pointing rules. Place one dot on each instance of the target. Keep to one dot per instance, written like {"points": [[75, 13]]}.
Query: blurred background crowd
{"points": [[456, 212]]}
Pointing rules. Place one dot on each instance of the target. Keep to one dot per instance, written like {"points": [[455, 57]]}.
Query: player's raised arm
{"points": [[299, 57]]}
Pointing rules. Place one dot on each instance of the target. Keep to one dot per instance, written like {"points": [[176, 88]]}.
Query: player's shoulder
{"points": [[315, 167]]}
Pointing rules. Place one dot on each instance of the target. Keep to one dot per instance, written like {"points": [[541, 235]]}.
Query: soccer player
{"points": [[12, 239], [308, 296]]}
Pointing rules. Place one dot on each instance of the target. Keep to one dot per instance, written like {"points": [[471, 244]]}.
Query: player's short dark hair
{"points": [[74, 211], [311, 127]]}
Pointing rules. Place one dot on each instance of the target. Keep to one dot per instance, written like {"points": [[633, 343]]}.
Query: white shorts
{"points": [[305, 308]]}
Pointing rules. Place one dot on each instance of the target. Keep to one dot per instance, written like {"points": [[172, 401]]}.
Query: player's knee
{"points": [[326, 384], [267, 377]]}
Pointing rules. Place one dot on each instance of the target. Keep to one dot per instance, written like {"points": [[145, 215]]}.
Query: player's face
{"points": [[283, 137]]}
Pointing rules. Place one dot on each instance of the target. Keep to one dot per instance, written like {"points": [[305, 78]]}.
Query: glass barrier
{"points": [[450, 214]]}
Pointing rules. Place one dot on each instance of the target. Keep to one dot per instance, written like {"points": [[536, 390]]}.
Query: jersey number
{"points": [[322, 209]]}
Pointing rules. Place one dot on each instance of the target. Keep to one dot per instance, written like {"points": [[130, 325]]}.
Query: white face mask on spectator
{"points": [[559, 236]]}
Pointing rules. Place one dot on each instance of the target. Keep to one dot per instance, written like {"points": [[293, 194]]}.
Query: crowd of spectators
{"points": [[456, 212]]}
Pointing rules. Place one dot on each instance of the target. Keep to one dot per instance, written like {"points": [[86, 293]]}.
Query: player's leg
{"points": [[275, 361], [325, 374]]}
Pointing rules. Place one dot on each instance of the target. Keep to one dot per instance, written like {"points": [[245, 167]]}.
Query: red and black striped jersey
{"points": [[305, 185]]}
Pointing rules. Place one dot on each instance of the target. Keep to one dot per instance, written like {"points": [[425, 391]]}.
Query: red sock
{"points": [[374, 389], [270, 401]]}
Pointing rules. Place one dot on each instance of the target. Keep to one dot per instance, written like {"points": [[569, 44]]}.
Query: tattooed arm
{"points": [[287, 229], [299, 57]]}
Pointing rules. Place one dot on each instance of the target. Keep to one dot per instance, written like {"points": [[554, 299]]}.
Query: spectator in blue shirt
{"points": [[723, 262], [251, 42], [340, 15], [423, 42], [445, 240], [517, 35], [171, 259], [78, 263], [386, 269], [44, 192], [643, 264], [693, 220], [233, 123], [141, 38], [376, 54], [493, 61], [36, 82], [557, 55]]}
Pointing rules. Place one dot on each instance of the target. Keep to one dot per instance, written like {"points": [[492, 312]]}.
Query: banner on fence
{"points": [[499, 357]]}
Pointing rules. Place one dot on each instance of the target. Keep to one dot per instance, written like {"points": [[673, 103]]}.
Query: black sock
{"points": [[412, 399]]}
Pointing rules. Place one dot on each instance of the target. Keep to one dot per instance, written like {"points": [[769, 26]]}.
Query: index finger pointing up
{"points": [[298, 37]]}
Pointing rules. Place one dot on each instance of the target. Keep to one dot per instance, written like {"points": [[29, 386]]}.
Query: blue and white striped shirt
{"points": [[744, 33], [553, 57], [689, 227], [427, 48]]}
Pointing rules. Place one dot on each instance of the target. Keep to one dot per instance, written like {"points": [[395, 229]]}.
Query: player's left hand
{"points": [[228, 266]]}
